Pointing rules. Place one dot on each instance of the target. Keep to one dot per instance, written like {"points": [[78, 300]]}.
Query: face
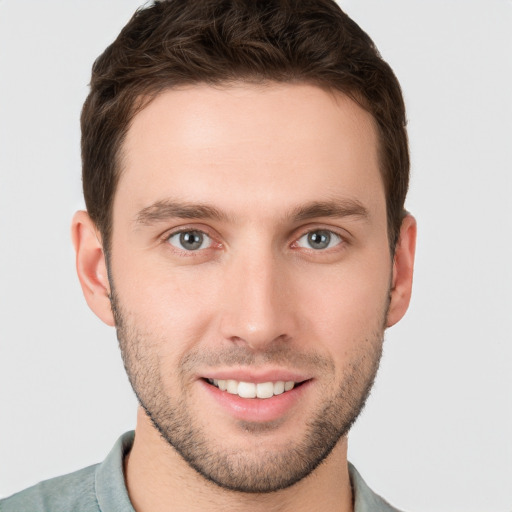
{"points": [[250, 275]]}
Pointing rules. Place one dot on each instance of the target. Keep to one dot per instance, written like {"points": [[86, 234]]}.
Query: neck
{"points": [[158, 479]]}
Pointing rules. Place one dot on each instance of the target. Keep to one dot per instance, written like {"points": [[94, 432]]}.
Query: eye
{"points": [[192, 240], [319, 239]]}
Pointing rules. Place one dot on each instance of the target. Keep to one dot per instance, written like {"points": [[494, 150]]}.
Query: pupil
{"points": [[191, 240], [319, 239]]}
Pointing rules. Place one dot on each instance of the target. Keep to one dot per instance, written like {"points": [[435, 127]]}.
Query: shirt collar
{"points": [[112, 494], [110, 486]]}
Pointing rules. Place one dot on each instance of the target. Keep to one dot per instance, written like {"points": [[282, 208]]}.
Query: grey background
{"points": [[436, 434]]}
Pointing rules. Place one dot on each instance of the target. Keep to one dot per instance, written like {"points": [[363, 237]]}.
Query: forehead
{"points": [[276, 145]]}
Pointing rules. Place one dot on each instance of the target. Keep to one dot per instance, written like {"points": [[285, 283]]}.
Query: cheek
{"points": [[347, 305], [333, 305], [172, 306]]}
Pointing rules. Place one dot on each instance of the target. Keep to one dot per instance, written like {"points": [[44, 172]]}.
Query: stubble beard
{"points": [[263, 470]]}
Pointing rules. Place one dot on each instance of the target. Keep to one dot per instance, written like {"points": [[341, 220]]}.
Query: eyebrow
{"points": [[336, 208], [163, 210]]}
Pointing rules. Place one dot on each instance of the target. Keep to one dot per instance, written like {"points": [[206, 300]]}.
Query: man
{"points": [[245, 167]]}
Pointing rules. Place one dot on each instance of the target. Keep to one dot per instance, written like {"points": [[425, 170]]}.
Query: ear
{"points": [[91, 266], [403, 265]]}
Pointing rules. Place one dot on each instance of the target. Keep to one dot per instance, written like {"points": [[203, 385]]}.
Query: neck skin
{"points": [[158, 479]]}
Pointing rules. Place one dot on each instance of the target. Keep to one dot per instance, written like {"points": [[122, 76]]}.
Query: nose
{"points": [[258, 309]]}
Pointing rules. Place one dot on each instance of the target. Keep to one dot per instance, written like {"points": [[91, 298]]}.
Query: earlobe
{"points": [[403, 266], [91, 266]]}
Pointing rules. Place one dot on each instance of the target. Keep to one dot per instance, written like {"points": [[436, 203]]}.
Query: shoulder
{"points": [[92, 489], [365, 500], [67, 493]]}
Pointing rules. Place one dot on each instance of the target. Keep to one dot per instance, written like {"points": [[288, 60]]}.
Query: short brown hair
{"points": [[182, 42]]}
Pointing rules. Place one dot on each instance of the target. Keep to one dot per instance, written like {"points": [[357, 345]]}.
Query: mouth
{"points": [[253, 389]]}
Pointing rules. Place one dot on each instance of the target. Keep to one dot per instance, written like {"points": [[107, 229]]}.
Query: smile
{"points": [[251, 389]]}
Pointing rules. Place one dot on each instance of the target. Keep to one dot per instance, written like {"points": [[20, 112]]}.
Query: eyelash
{"points": [[331, 233], [167, 237], [342, 241]]}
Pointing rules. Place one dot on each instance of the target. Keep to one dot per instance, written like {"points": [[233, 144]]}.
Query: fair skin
{"points": [[290, 280]]}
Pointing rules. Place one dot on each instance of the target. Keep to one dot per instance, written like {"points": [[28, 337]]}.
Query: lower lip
{"points": [[258, 410]]}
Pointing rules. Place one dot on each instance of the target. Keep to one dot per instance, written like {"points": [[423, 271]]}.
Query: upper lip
{"points": [[256, 376]]}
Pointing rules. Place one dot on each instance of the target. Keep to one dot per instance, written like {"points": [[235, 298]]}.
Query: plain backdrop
{"points": [[437, 432]]}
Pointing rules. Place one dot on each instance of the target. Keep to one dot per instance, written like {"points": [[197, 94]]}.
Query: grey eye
{"points": [[319, 239], [190, 240]]}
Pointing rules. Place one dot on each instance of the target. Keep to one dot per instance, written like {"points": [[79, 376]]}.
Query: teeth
{"points": [[280, 386], [264, 389], [232, 387], [247, 390], [288, 385], [252, 390]]}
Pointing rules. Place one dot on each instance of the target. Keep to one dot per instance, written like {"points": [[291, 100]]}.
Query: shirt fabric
{"points": [[101, 488]]}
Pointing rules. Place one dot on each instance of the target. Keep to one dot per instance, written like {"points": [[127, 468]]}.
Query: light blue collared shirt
{"points": [[101, 488]]}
